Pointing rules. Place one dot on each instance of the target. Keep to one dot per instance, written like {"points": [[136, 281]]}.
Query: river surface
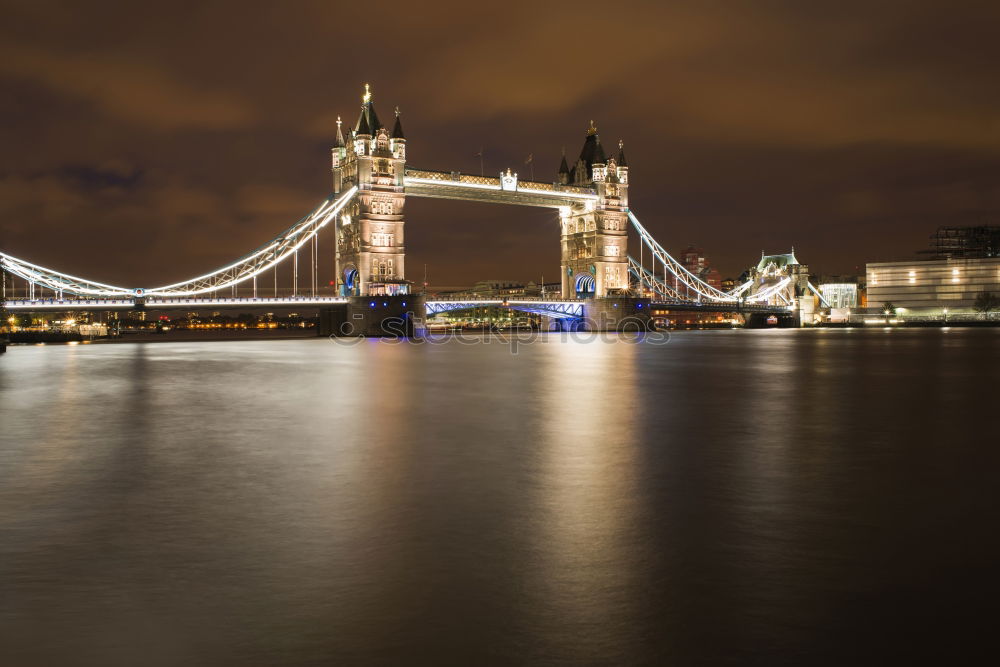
{"points": [[783, 497]]}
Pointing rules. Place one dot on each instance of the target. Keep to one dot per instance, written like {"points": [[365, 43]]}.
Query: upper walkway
{"points": [[501, 190]]}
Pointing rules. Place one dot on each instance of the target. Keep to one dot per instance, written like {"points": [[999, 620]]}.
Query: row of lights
{"points": [[912, 275]]}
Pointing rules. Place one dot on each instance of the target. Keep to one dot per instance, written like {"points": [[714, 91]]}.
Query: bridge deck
{"points": [[719, 307], [167, 304], [558, 308]]}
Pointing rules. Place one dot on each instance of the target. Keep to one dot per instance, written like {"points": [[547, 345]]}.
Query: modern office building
{"points": [[930, 286], [840, 294]]}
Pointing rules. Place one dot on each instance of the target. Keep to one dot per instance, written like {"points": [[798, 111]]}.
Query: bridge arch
{"points": [[585, 285], [352, 281]]}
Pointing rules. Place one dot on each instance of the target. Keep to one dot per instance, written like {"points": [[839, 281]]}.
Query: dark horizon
{"points": [[145, 145]]}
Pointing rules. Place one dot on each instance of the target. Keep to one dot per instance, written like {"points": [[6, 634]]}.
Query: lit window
{"points": [[612, 277], [954, 275], [611, 251], [913, 277]]}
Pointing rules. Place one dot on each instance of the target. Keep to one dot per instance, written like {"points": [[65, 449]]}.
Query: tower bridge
{"points": [[365, 213]]}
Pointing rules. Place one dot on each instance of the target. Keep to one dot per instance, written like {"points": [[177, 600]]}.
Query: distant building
{"points": [[964, 242], [842, 291], [693, 259], [932, 285], [486, 289], [964, 262], [840, 295]]}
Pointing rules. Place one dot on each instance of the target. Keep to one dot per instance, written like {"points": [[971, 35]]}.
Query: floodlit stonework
{"points": [[371, 253], [595, 233]]}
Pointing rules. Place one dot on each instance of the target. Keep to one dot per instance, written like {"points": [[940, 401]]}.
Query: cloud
{"points": [[792, 73], [127, 89], [150, 233]]}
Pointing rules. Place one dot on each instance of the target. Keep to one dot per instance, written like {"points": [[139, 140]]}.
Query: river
{"points": [[769, 497]]}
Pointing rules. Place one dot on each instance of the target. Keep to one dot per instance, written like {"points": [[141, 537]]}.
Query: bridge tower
{"points": [[370, 256], [595, 234]]}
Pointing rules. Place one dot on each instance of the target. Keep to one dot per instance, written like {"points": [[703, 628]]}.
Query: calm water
{"points": [[744, 497]]}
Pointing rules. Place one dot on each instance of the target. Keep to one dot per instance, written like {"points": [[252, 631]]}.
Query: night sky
{"points": [[147, 142]]}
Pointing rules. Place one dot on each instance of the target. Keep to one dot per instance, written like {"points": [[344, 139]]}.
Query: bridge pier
{"points": [[375, 316], [617, 313]]}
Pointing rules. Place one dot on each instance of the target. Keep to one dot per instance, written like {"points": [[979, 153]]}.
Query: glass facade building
{"points": [[840, 295]]}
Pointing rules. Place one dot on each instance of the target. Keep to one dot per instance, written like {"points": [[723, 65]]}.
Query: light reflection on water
{"points": [[746, 496]]}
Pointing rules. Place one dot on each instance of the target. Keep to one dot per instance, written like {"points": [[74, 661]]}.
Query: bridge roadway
{"points": [[552, 306], [170, 304], [555, 307], [720, 307], [558, 308]]}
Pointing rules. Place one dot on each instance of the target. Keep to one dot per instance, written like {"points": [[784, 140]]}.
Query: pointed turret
{"points": [[621, 154], [338, 155], [397, 129], [362, 127], [563, 169], [368, 122], [591, 154], [599, 156], [373, 120]]}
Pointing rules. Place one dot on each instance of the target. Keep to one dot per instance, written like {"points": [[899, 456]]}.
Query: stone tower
{"points": [[595, 234], [370, 243]]}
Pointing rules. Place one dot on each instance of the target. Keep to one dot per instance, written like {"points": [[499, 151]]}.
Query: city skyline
{"points": [[156, 162]]}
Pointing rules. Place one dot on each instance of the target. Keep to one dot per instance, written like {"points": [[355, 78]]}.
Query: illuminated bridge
{"points": [[365, 214]]}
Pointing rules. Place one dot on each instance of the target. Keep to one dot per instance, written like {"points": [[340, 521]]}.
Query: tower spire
{"points": [[397, 129], [368, 122], [340, 134]]}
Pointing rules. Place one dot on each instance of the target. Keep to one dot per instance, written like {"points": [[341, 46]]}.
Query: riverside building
{"points": [[931, 286], [965, 263]]}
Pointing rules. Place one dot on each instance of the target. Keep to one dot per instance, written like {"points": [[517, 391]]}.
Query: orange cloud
{"points": [[127, 89]]}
